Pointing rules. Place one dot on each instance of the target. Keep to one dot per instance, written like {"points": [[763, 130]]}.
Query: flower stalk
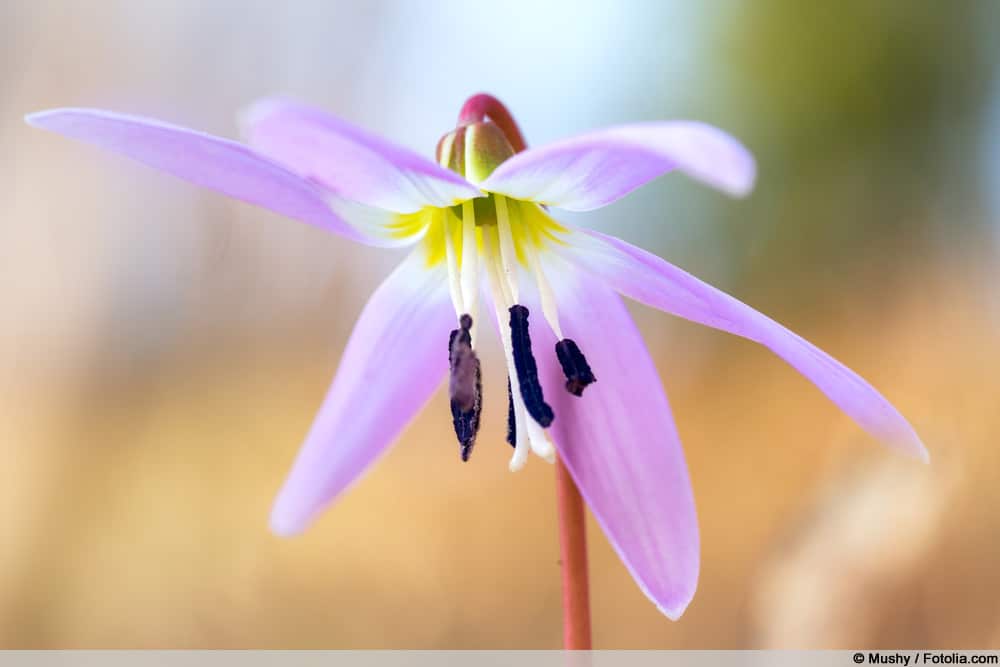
{"points": [[573, 557]]}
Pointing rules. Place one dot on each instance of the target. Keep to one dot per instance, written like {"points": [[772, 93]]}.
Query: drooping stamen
{"points": [[527, 370], [522, 441], [574, 366], [465, 386], [511, 420]]}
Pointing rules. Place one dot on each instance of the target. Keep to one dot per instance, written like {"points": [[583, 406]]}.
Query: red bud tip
{"points": [[482, 106]]}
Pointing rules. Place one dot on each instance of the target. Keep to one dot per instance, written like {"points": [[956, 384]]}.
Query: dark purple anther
{"points": [[527, 370], [574, 366], [465, 386]]}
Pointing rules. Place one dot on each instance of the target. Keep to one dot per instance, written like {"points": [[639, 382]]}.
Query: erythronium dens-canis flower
{"points": [[485, 247]]}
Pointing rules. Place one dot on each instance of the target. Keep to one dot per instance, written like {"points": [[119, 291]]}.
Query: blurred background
{"points": [[163, 349]]}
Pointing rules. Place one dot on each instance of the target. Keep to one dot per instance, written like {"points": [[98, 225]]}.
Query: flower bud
{"points": [[474, 150]]}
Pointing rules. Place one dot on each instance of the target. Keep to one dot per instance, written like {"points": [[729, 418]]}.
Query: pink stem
{"points": [[573, 552]]}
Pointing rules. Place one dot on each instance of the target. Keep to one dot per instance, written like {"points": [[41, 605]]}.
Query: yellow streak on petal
{"points": [[409, 224], [434, 245]]}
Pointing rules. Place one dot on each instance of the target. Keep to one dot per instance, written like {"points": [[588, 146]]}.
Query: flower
{"points": [[577, 368]]}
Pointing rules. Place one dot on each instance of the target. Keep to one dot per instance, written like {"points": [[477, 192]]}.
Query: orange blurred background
{"points": [[163, 349]]}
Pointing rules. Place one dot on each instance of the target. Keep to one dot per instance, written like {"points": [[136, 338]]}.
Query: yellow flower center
{"points": [[531, 229]]}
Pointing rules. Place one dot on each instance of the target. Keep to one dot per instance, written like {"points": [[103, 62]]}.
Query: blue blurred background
{"points": [[163, 349]]}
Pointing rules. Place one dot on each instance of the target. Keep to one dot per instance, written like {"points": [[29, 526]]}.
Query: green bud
{"points": [[474, 150]]}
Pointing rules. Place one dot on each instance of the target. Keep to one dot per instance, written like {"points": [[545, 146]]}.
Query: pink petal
{"points": [[394, 360], [212, 162], [349, 160], [595, 169], [650, 280], [619, 440]]}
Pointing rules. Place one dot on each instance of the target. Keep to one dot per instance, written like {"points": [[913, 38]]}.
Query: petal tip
{"points": [[740, 183], [673, 604], [674, 613], [284, 523], [742, 188], [290, 515], [66, 120], [909, 444], [38, 118]]}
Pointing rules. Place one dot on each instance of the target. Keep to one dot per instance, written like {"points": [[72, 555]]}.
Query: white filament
{"points": [[508, 259], [453, 280], [470, 265], [508, 255], [522, 444], [540, 444], [545, 294]]}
